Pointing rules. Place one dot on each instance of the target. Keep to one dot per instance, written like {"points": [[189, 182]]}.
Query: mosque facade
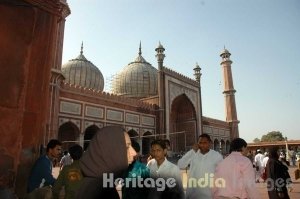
{"points": [[148, 102]]}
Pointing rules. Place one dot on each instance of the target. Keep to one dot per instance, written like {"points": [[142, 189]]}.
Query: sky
{"points": [[263, 37]]}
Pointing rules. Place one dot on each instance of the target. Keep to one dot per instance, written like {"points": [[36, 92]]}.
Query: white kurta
{"points": [[165, 170], [202, 169]]}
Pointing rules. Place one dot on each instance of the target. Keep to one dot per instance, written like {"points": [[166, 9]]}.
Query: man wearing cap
{"points": [[258, 162]]}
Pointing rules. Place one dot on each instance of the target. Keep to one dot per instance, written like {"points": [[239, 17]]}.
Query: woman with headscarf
{"points": [[107, 157], [277, 176]]}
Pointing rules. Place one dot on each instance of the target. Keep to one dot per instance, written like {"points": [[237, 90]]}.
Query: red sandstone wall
{"points": [[27, 36]]}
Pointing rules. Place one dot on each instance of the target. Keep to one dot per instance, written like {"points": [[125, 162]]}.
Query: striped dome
{"points": [[82, 72]]}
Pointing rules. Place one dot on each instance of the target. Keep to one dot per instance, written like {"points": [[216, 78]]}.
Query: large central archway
{"points": [[182, 119]]}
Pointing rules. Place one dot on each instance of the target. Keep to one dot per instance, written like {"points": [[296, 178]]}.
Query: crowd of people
{"points": [[113, 159]]}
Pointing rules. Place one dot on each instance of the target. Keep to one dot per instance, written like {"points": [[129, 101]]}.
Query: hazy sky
{"points": [[263, 37]]}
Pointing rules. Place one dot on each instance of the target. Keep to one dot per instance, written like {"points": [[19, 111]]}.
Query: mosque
{"points": [[148, 102], [41, 98]]}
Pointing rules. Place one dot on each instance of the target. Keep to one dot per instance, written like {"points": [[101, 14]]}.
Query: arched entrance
{"points": [[146, 142], [89, 134], [133, 134], [227, 147], [223, 147], [68, 134], [216, 145], [182, 119]]}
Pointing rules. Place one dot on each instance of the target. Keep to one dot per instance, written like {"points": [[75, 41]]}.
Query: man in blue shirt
{"points": [[41, 173]]}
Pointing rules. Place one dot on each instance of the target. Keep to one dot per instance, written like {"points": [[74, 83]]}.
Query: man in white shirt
{"points": [[203, 162], [265, 160], [161, 168], [65, 160], [258, 162]]}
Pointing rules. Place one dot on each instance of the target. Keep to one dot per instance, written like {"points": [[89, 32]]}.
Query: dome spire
{"points": [[140, 58], [81, 51], [140, 48]]}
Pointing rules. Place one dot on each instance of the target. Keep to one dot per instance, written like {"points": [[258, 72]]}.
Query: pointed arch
{"points": [[133, 134], [68, 134], [182, 119], [216, 145], [146, 142], [89, 134], [227, 146], [223, 147]]}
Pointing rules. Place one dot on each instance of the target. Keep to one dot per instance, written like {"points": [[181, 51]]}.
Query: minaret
{"points": [[198, 74], [160, 55], [229, 91], [161, 88]]}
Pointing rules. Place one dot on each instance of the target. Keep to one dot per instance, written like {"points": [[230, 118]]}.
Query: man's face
{"points": [[158, 152], [204, 145], [55, 152]]}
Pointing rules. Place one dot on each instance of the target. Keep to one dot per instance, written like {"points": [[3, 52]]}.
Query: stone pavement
{"points": [[294, 194]]}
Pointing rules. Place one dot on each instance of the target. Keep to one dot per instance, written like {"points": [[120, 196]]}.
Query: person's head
{"points": [[204, 143], [76, 152], [54, 148], [109, 151], [274, 153], [266, 154], [66, 152], [131, 153], [158, 150], [168, 144], [258, 151], [239, 145]]}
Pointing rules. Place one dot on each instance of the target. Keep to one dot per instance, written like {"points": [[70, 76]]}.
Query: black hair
{"points": [[76, 152], [237, 144], [66, 152], [205, 135], [135, 145], [159, 142], [52, 144]]}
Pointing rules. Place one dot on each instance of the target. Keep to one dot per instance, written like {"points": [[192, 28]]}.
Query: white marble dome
{"points": [[136, 80], [82, 72]]}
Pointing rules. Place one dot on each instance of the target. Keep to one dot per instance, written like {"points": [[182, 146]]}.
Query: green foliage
{"points": [[272, 136], [256, 140]]}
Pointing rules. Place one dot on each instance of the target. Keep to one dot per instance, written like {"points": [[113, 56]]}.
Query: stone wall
{"points": [[28, 31]]}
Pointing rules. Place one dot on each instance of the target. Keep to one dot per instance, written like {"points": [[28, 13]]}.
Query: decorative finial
{"points": [[140, 49], [160, 48], [81, 51], [224, 47]]}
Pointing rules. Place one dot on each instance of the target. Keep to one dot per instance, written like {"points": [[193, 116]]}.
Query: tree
{"points": [[272, 136], [256, 140]]}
